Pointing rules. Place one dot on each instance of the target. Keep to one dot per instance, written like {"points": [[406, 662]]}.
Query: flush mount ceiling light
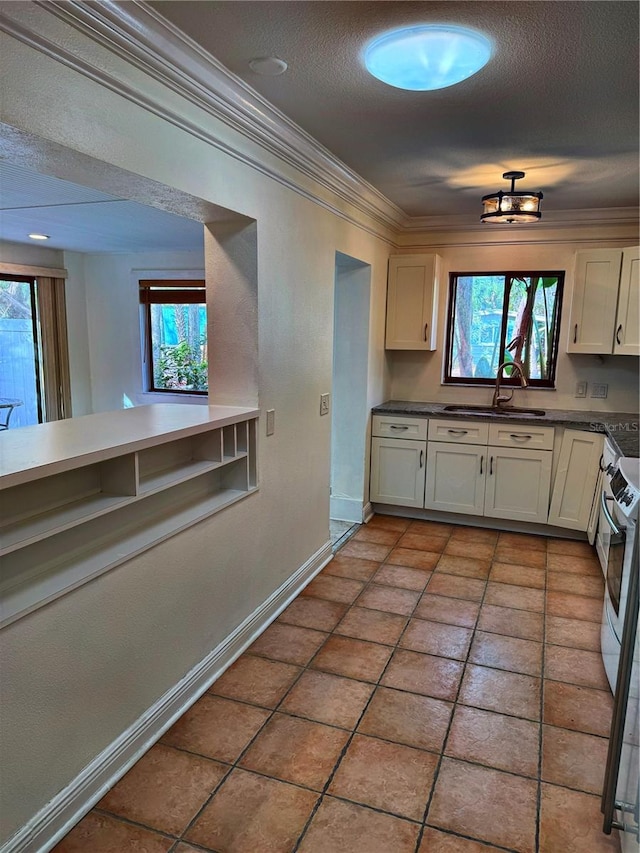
{"points": [[268, 66], [39, 236], [511, 206], [428, 56]]}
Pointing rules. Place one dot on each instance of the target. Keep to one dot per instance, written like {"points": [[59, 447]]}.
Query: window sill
{"points": [[477, 386], [146, 397]]}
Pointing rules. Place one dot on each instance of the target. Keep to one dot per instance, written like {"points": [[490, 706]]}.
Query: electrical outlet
{"points": [[599, 389], [271, 421], [324, 404], [581, 389]]}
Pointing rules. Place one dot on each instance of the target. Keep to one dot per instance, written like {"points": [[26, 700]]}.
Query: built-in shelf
{"points": [[70, 516]]}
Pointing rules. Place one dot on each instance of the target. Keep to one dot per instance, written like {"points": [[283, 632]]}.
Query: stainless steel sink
{"points": [[495, 411]]}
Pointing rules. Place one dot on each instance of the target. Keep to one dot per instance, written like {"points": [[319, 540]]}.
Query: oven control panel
{"points": [[625, 485]]}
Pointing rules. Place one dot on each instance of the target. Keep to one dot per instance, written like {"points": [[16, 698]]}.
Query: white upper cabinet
{"points": [[627, 334], [594, 302], [412, 302], [604, 307]]}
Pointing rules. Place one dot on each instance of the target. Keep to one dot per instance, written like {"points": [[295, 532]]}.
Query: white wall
{"points": [[28, 254], [79, 671], [349, 413], [78, 335], [418, 375]]}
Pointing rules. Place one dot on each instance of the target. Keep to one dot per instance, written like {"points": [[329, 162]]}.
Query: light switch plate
{"points": [[581, 389], [599, 390], [271, 421], [324, 404]]}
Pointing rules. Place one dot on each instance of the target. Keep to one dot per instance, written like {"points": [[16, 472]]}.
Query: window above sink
{"points": [[496, 317]]}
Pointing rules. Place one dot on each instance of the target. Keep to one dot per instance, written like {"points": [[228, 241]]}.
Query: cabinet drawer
{"points": [[527, 436], [459, 432], [393, 426]]}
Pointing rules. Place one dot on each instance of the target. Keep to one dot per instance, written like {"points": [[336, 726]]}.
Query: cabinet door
{"points": [[455, 477], [397, 471], [595, 296], [576, 478], [627, 335], [518, 484], [412, 302]]}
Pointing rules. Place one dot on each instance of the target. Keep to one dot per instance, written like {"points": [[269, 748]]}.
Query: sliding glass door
{"points": [[34, 366], [20, 360]]}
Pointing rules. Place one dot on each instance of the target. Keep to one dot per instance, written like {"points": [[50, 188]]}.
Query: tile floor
{"points": [[436, 689]]}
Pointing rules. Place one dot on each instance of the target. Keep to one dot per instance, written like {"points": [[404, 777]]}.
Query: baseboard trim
{"points": [[367, 512], [346, 509], [61, 813]]}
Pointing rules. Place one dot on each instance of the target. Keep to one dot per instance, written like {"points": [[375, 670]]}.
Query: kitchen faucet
{"points": [[498, 398]]}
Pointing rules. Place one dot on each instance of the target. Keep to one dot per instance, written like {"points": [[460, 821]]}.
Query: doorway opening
{"points": [[352, 289]]}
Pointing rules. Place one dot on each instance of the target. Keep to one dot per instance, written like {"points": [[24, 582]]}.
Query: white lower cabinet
{"points": [[455, 477], [397, 471], [478, 469], [518, 484], [576, 479], [497, 482]]}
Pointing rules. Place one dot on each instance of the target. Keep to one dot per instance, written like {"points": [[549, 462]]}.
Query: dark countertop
{"points": [[621, 427]]}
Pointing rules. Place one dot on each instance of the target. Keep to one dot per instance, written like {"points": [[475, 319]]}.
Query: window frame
{"points": [[166, 292], [549, 383]]}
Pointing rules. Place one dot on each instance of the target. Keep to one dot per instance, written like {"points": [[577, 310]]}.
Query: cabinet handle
{"points": [[421, 457], [481, 461], [491, 467], [618, 330], [520, 435], [395, 426], [575, 333], [426, 326], [457, 431], [600, 465]]}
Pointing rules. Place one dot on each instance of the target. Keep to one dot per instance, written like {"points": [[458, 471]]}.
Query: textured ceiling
{"points": [[81, 219], [559, 99]]}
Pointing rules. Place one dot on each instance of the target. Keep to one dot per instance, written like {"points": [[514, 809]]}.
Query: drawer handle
{"points": [[395, 426], [426, 326], [618, 330], [458, 431], [517, 436]]}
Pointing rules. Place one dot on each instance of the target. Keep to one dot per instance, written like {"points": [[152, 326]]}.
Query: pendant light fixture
{"points": [[511, 206]]}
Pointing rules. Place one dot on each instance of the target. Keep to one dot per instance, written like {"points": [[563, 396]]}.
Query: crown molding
{"points": [[605, 216], [140, 35]]}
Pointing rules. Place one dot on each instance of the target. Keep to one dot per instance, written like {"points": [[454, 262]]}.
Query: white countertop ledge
{"points": [[32, 452]]}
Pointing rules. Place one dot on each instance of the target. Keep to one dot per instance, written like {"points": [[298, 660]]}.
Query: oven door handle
{"points": [[605, 509]]}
